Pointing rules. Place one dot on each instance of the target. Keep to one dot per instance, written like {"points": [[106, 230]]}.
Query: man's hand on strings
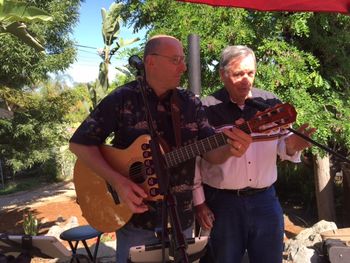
{"points": [[131, 194], [238, 141], [237, 144]]}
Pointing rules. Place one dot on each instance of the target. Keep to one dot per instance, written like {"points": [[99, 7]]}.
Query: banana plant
{"points": [[111, 21], [14, 14]]}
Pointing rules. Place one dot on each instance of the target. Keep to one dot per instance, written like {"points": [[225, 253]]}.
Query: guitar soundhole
{"points": [[137, 173]]}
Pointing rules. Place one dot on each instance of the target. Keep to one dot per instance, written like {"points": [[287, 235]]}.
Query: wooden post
{"points": [[346, 195], [2, 177], [324, 189]]}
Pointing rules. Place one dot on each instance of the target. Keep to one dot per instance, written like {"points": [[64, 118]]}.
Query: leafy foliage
{"points": [[30, 224], [38, 128], [12, 16], [111, 21], [37, 123], [21, 65], [302, 57]]}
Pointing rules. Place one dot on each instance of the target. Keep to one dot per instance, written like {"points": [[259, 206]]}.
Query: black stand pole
{"points": [[178, 245], [329, 150]]}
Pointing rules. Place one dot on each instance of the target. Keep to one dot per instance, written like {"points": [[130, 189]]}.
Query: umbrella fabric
{"points": [[339, 6]]}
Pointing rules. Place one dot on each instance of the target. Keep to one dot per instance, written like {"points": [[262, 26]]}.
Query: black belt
{"points": [[248, 191]]}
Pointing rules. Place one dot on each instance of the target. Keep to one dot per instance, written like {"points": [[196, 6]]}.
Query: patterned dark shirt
{"points": [[122, 113]]}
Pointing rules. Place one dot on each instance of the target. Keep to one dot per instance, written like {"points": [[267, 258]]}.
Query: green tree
{"points": [[36, 125], [23, 66], [38, 128], [302, 57]]}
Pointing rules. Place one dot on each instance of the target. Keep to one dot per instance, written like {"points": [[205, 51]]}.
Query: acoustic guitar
{"points": [[99, 202]]}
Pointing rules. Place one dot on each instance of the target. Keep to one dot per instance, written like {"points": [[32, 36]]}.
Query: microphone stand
{"points": [[178, 245], [319, 145]]}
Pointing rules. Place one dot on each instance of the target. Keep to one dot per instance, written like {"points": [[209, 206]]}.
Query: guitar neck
{"points": [[190, 151]]}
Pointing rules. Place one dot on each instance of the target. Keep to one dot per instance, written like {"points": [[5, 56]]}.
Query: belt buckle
{"points": [[243, 191]]}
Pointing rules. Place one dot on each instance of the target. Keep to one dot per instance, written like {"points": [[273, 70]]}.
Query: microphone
{"points": [[136, 62], [260, 106]]}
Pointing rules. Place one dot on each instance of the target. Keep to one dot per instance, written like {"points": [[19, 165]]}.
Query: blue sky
{"points": [[88, 33]]}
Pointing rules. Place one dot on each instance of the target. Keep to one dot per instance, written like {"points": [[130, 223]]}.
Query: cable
{"points": [[85, 46]]}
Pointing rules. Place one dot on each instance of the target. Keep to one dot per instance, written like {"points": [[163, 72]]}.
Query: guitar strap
{"points": [[175, 116]]}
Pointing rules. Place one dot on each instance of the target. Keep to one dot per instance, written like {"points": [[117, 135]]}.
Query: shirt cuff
{"points": [[295, 158], [198, 195]]}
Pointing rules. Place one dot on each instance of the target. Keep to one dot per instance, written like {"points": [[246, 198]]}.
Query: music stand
{"points": [[153, 253], [39, 246]]}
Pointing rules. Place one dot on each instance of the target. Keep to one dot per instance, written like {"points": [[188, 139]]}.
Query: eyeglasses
{"points": [[176, 60]]}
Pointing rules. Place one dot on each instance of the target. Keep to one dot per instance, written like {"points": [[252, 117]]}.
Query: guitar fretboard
{"points": [[190, 151]]}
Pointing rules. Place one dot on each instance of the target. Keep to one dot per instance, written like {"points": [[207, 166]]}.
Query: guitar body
{"points": [[95, 198]]}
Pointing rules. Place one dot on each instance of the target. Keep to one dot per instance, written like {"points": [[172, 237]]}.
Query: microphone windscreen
{"points": [[136, 62]]}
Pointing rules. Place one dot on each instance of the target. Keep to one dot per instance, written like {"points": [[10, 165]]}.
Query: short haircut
{"points": [[232, 52], [153, 44]]}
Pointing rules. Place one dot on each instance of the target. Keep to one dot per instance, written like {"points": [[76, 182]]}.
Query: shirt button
{"points": [[249, 162]]}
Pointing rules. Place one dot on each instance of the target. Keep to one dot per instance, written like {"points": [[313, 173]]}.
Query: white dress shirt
{"points": [[256, 168]]}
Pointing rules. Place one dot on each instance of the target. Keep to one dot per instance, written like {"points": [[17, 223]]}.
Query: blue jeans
{"points": [[253, 223], [129, 236]]}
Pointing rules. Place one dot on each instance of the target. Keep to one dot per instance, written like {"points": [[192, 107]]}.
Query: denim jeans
{"points": [[129, 236], [252, 223]]}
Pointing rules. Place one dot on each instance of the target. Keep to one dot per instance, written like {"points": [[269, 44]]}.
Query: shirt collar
{"points": [[250, 95]]}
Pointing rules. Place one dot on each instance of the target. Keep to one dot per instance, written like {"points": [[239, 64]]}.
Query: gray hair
{"points": [[232, 52]]}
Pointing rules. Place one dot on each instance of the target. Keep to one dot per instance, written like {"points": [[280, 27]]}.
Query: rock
{"points": [[71, 222], [56, 230], [305, 255], [307, 245]]}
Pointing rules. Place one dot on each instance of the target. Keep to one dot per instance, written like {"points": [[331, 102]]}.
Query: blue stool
{"points": [[81, 233]]}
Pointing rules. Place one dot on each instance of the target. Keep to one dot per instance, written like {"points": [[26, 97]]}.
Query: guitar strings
{"points": [[190, 151]]}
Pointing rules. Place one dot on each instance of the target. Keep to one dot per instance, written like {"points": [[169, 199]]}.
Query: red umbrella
{"points": [[339, 6]]}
